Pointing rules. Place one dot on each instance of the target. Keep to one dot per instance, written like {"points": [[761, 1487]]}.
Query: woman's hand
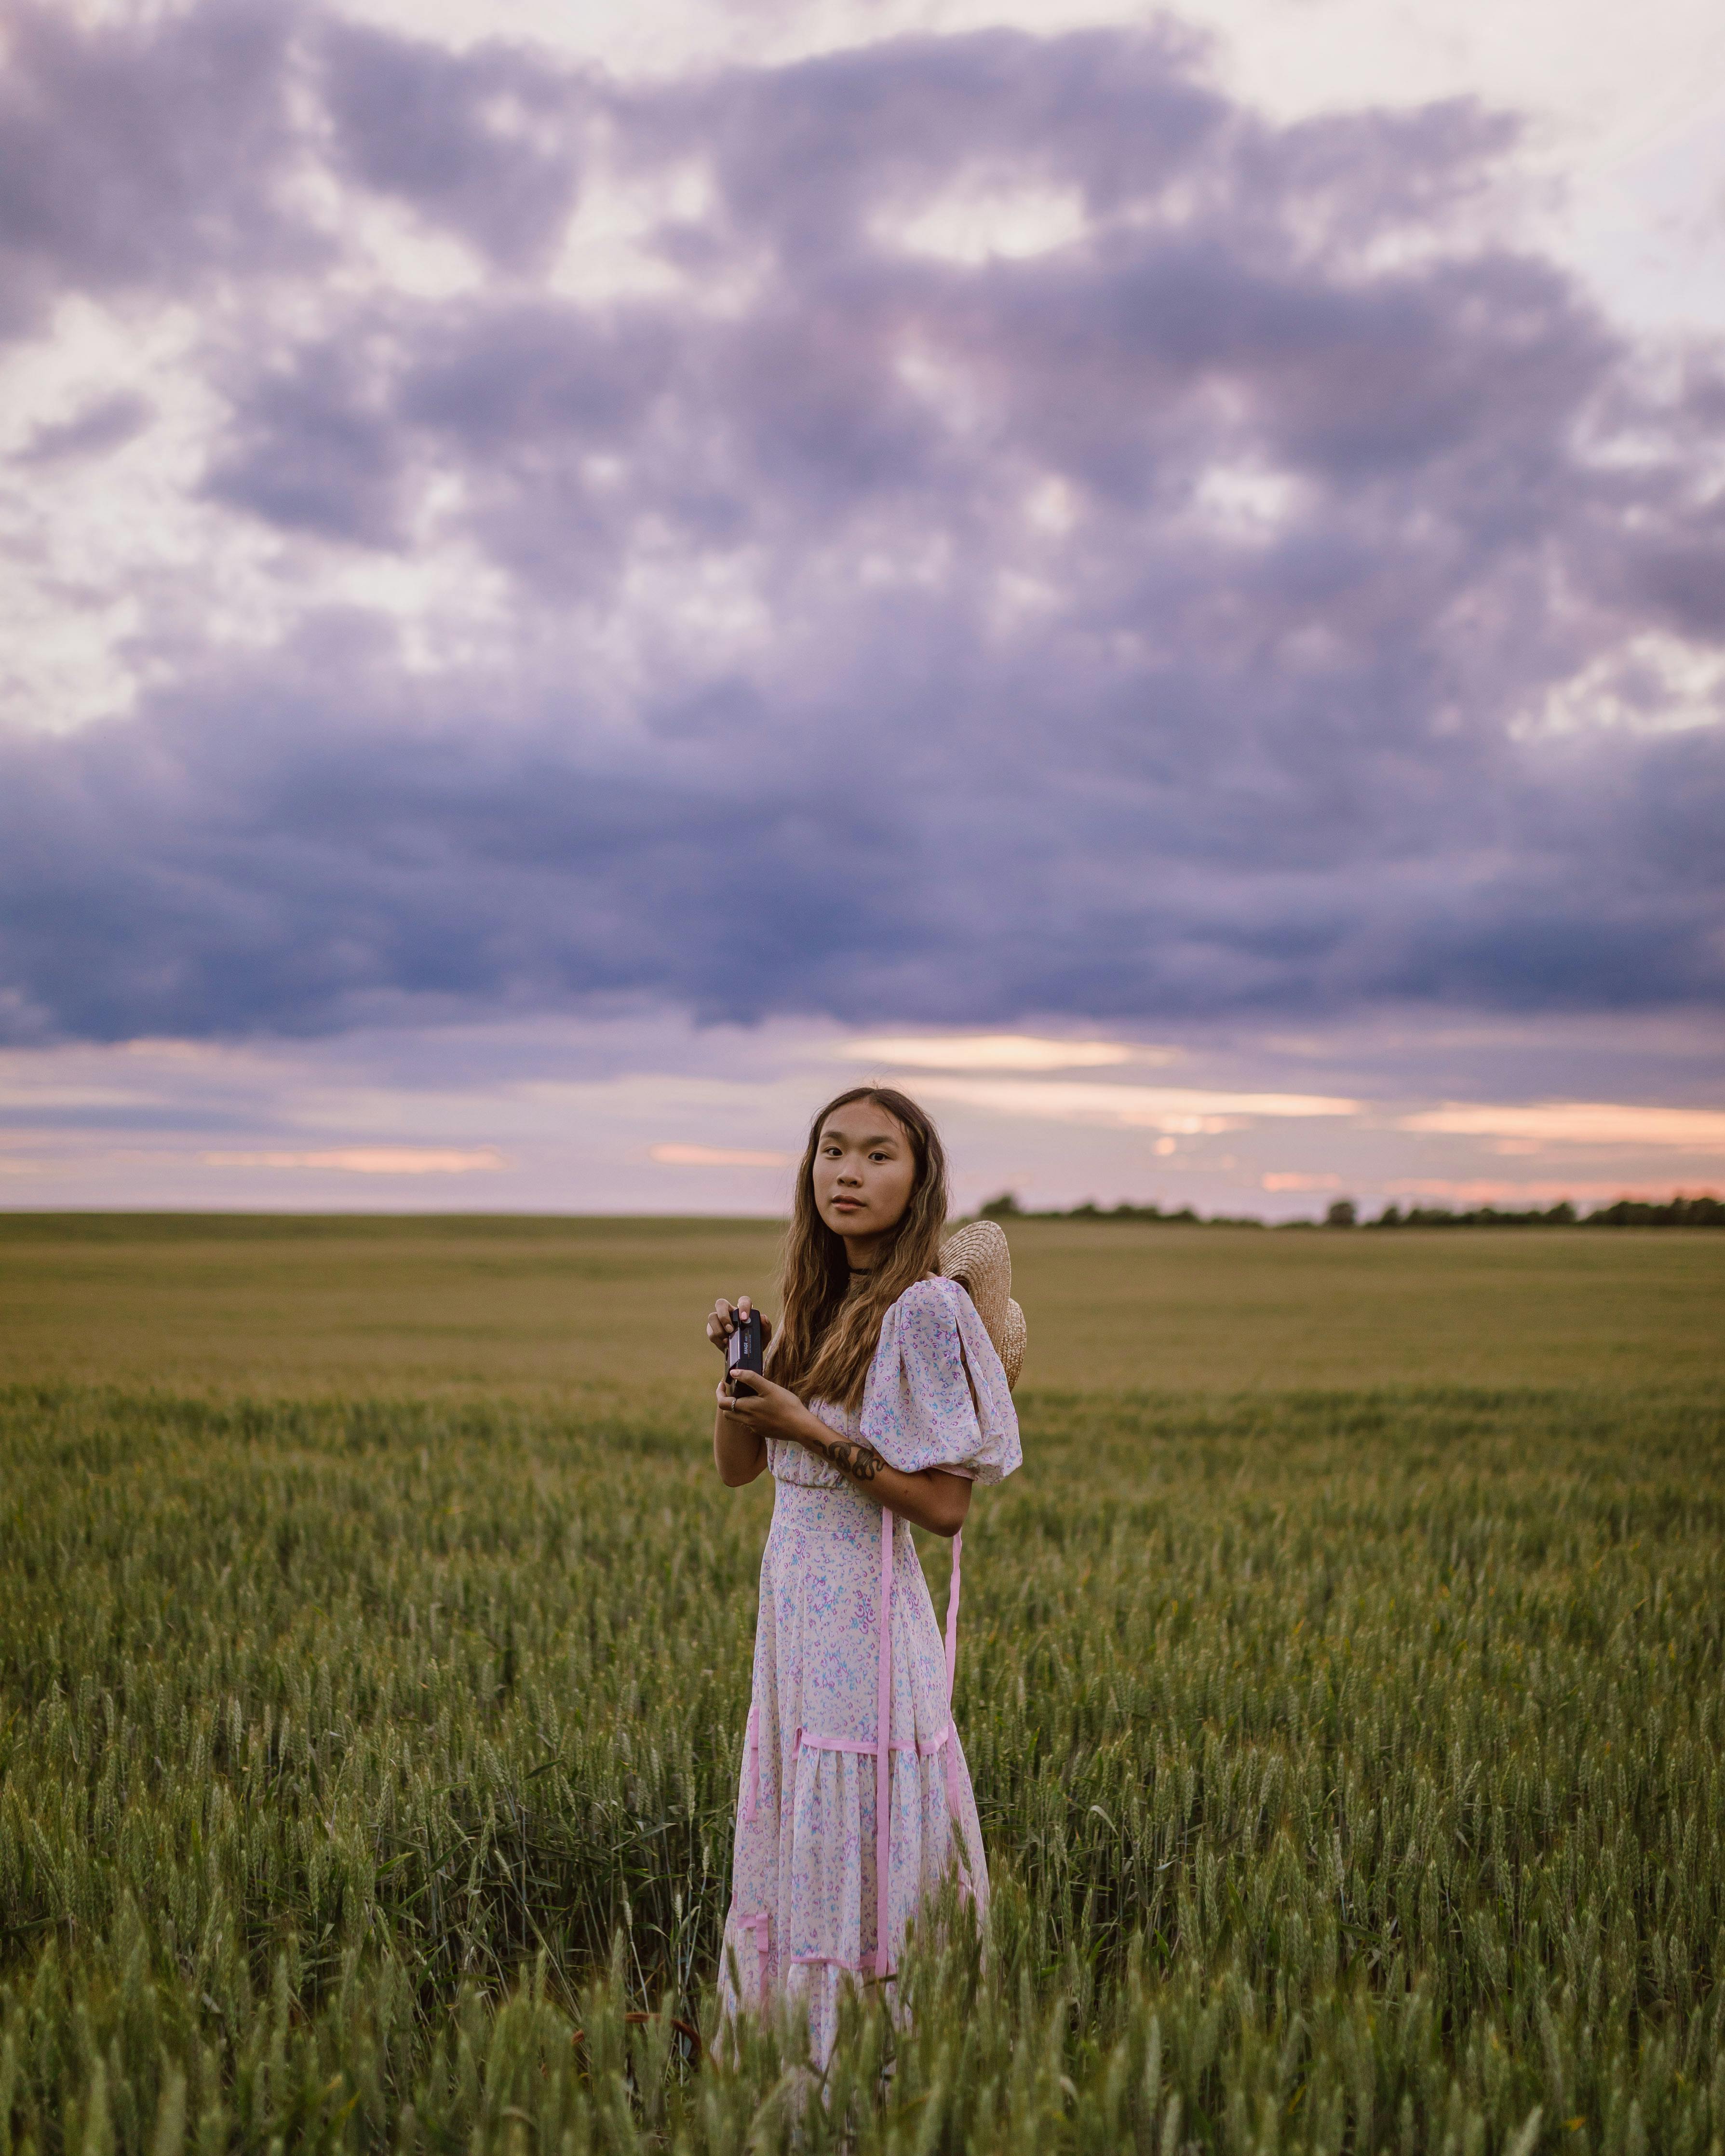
{"points": [[740, 1438], [724, 1319], [766, 1410]]}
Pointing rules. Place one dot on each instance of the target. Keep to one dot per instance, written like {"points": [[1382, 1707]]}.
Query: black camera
{"points": [[745, 1350]]}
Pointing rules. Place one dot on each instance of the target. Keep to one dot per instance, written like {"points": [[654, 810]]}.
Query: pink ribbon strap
{"points": [[883, 1756], [952, 1762]]}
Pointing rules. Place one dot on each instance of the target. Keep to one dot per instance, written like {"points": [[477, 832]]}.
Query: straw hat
{"points": [[976, 1257]]}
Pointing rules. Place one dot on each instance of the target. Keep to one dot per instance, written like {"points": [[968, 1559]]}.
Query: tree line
{"points": [[1626, 1212]]}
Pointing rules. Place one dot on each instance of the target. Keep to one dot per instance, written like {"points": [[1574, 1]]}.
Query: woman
{"points": [[884, 1401]]}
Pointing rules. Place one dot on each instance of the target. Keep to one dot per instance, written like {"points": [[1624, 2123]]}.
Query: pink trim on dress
{"points": [[925, 1748], [951, 1762], [883, 1758]]}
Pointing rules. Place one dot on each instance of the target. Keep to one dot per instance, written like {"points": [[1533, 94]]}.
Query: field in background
{"points": [[464, 1306], [1343, 1679]]}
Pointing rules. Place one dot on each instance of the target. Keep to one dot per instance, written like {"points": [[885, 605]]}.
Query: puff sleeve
{"points": [[917, 1409]]}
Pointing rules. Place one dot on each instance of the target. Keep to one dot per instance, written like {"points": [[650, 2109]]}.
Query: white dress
{"points": [[837, 1846]]}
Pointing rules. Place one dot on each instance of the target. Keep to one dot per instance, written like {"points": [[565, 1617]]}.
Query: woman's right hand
{"points": [[723, 1321]]}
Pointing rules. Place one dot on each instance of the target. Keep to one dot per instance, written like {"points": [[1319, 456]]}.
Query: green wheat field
{"points": [[1344, 1679]]}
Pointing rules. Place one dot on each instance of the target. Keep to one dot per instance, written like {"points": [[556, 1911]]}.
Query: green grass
{"points": [[1352, 1758]]}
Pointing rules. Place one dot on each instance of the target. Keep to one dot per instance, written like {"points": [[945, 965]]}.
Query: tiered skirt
{"points": [[813, 1907]]}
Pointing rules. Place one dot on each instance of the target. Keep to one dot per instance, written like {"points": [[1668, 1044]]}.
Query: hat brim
{"points": [[977, 1257]]}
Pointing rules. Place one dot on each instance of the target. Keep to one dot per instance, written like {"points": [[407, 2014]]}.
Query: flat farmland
{"points": [[1343, 1679], [466, 1307]]}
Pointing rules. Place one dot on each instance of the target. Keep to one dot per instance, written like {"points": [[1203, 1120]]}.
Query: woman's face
{"points": [[865, 1171]]}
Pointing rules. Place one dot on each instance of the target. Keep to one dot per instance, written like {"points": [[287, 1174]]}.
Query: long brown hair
{"points": [[825, 1343]]}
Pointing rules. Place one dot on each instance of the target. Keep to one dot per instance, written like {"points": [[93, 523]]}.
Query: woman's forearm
{"points": [[929, 1498], [739, 1453]]}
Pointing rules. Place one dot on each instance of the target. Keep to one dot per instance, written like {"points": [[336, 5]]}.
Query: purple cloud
{"points": [[140, 157], [315, 448], [1164, 623], [107, 424], [485, 144]]}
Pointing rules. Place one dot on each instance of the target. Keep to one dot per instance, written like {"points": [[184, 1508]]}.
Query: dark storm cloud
{"points": [[1159, 623]]}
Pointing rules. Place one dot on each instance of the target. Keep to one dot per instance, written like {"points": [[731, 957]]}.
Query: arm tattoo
{"points": [[856, 1461]]}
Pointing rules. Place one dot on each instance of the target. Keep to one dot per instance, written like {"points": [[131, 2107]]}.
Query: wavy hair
{"points": [[827, 1336]]}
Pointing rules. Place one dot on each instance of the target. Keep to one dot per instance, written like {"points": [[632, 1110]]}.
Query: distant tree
{"points": [[1676, 1213], [1390, 1217], [1341, 1214], [1005, 1207]]}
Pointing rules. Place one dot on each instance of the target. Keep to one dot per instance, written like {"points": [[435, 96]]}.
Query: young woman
{"points": [[884, 1401]]}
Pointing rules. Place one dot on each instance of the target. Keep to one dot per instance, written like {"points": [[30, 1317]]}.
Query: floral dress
{"points": [[837, 1844]]}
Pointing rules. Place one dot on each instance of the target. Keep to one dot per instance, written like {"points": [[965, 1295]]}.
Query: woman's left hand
{"points": [[758, 1405]]}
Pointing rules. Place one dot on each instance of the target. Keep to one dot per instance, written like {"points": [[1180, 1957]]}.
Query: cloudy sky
{"points": [[573, 579]]}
